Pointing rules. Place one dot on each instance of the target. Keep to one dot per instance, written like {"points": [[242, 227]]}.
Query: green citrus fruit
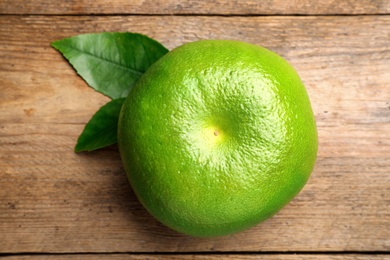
{"points": [[217, 136]]}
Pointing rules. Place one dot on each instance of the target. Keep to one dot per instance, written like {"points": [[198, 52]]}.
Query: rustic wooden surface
{"points": [[190, 7], [60, 205], [204, 257]]}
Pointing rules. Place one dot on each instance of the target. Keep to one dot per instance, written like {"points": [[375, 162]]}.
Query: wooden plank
{"points": [[205, 256], [225, 7], [52, 200]]}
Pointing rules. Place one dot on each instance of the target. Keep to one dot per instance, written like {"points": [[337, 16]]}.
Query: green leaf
{"points": [[111, 62], [101, 130]]}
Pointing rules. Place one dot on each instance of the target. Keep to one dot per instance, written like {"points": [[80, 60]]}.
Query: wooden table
{"points": [[58, 204]]}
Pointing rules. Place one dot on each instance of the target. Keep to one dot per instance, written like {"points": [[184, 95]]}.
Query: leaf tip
{"points": [[55, 44], [77, 148]]}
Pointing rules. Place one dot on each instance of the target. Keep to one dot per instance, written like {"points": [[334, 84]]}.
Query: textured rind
{"points": [[217, 136]]}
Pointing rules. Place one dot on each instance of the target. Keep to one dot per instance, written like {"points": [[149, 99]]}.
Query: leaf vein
{"points": [[121, 66]]}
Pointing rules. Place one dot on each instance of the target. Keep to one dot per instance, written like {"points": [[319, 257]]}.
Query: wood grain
{"points": [[205, 257], [225, 7], [54, 201]]}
